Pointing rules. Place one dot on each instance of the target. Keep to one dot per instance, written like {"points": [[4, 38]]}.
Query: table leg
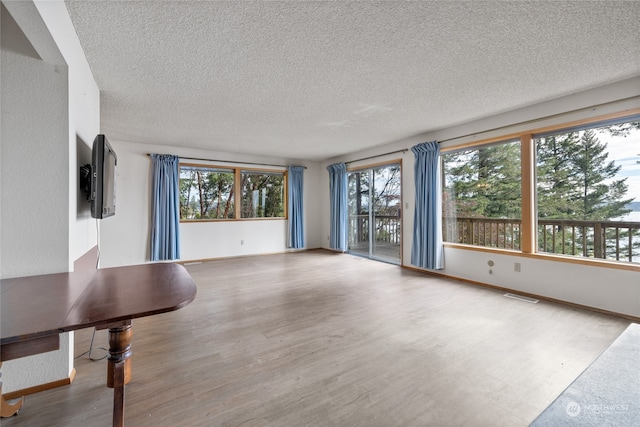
{"points": [[8, 409], [119, 367]]}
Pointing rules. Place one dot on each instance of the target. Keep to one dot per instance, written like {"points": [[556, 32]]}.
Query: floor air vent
{"points": [[521, 298]]}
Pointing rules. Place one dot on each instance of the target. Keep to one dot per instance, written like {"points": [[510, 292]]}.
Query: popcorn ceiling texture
{"points": [[314, 80]]}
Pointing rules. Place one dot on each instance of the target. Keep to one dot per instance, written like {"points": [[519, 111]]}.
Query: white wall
{"points": [[604, 288], [84, 123], [35, 165], [50, 105], [599, 287], [124, 238]]}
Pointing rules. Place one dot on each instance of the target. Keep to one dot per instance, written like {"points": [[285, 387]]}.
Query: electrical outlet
{"points": [[241, 242], [516, 267]]}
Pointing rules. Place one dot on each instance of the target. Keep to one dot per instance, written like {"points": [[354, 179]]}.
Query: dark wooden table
{"points": [[36, 309]]}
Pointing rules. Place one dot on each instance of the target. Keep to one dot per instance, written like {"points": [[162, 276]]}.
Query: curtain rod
{"points": [[526, 122], [533, 121], [404, 150], [231, 161]]}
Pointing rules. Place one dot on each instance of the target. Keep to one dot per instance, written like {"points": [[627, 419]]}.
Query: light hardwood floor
{"points": [[316, 338]]}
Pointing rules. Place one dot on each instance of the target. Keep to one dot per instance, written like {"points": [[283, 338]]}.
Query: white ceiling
{"points": [[317, 79]]}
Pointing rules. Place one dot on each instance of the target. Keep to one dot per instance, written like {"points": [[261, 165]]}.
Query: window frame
{"points": [[237, 170], [528, 243], [258, 171], [477, 147], [372, 166]]}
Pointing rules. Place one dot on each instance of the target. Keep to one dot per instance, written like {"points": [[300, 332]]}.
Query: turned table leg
{"points": [[8, 409], [119, 367]]}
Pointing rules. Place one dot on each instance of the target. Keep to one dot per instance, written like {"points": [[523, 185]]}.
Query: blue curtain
{"points": [[165, 208], [295, 181], [427, 250], [338, 206]]}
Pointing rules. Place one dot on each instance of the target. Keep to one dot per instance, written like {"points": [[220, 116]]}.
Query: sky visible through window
{"points": [[625, 151]]}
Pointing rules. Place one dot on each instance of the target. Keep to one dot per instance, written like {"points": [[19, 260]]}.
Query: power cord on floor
{"points": [[91, 349]]}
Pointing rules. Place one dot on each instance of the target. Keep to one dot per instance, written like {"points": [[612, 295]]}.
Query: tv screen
{"points": [[103, 178]]}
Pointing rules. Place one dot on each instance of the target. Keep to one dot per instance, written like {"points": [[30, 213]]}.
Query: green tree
{"points": [[601, 196], [206, 194], [187, 199], [556, 186], [262, 195], [485, 182], [576, 180]]}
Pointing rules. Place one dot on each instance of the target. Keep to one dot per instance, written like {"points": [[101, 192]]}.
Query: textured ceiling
{"points": [[313, 80]]}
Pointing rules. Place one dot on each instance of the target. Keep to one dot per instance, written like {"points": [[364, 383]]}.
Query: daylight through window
{"points": [[588, 192], [208, 193], [586, 196], [262, 194], [482, 197]]}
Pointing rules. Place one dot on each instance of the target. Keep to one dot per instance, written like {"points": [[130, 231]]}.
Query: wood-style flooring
{"points": [[322, 339]]}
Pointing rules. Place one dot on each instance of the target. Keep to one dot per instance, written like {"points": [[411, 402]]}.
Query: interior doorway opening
{"points": [[375, 206]]}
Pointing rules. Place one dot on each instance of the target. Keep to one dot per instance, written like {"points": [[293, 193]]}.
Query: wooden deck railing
{"points": [[619, 240], [490, 232], [386, 229], [616, 240]]}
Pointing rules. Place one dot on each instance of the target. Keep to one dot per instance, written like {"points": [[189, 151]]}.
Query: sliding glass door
{"points": [[374, 212]]}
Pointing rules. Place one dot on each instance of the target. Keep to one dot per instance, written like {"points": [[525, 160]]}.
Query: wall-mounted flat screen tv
{"points": [[98, 179]]}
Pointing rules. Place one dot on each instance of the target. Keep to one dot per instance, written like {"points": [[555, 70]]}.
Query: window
{"points": [[482, 197], [262, 194], [588, 191], [209, 193], [581, 194], [206, 192]]}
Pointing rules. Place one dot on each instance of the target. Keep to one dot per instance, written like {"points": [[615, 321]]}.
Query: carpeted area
{"points": [[607, 393]]}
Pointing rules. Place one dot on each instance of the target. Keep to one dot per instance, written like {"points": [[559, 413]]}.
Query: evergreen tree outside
{"points": [[602, 195], [555, 183], [577, 181], [483, 183], [586, 184]]}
